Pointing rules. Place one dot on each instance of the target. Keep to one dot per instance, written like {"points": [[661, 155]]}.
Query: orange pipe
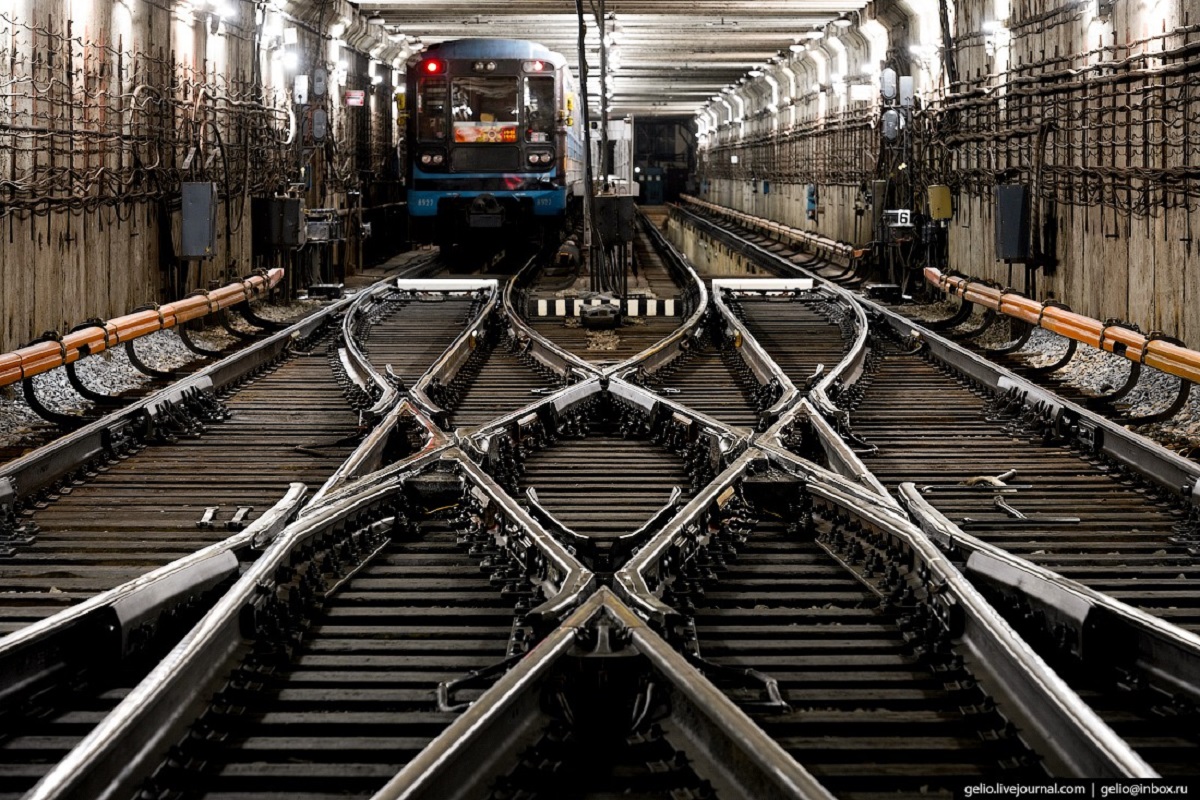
{"points": [[42, 357], [1162, 355]]}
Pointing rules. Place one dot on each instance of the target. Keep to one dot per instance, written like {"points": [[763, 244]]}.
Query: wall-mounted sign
{"points": [[356, 97]]}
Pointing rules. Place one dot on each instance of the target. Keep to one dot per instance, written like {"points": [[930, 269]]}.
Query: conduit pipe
{"points": [[43, 356], [1153, 350]]}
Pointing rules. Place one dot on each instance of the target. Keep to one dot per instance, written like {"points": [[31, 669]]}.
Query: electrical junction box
{"points": [[293, 227], [615, 215], [198, 232], [300, 90], [940, 206], [278, 222], [1012, 222]]}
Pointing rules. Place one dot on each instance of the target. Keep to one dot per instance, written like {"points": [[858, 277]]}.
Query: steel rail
{"points": [[457, 352], [1094, 619], [668, 348], [34, 656], [357, 365], [119, 753], [821, 246], [723, 744], [1063, 726], [557, 359], [849, 369], [367, 459], [840, 456], [1097, 434]]}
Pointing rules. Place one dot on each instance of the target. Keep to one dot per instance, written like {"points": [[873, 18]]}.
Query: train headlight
{"points": [[438, 158], [491, 66], [545, 158], [533, 66], [533, 158], [426, 158]]}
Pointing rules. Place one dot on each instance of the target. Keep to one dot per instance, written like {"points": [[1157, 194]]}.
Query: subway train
{"points": [[494, 142]]}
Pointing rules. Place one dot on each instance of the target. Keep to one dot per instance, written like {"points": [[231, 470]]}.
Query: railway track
{"points": [[345, 648], [1026, 490], [803, 336], [711, 378], [866, 712], [658, 277], [971, 331], [136, 507], [823, 628], [344, 709], [1043, 507], [805, 620], [137, 504], [603, 486], [501, 379]]}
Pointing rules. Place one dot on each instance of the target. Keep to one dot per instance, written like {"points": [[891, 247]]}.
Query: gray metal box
{"points": [[293, 228], [615, 216], [199, 220], [1012, 222]]}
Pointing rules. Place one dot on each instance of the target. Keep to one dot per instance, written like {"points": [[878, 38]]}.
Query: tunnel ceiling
{"points": [[672, 55]]}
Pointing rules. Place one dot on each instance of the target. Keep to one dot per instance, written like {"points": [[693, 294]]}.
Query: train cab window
{"points": [[432, 95], [484, 109], [539, 109]]}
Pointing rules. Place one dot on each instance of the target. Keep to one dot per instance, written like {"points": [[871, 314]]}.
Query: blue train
{"points": [[494, 141]]}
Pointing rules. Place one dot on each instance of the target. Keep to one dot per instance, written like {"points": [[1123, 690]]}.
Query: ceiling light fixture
{"points": [[375, 19], [843, 20]]}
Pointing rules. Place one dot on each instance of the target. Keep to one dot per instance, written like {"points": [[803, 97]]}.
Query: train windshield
{"points": [[432, 94], [539, 109], [485, 109]]}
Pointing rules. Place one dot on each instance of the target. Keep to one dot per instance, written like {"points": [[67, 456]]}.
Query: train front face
{"points": [[487, 140]]}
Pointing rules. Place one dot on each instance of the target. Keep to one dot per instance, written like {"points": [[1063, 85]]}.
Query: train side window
{"points": [[539, 109], [432, 94]]}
